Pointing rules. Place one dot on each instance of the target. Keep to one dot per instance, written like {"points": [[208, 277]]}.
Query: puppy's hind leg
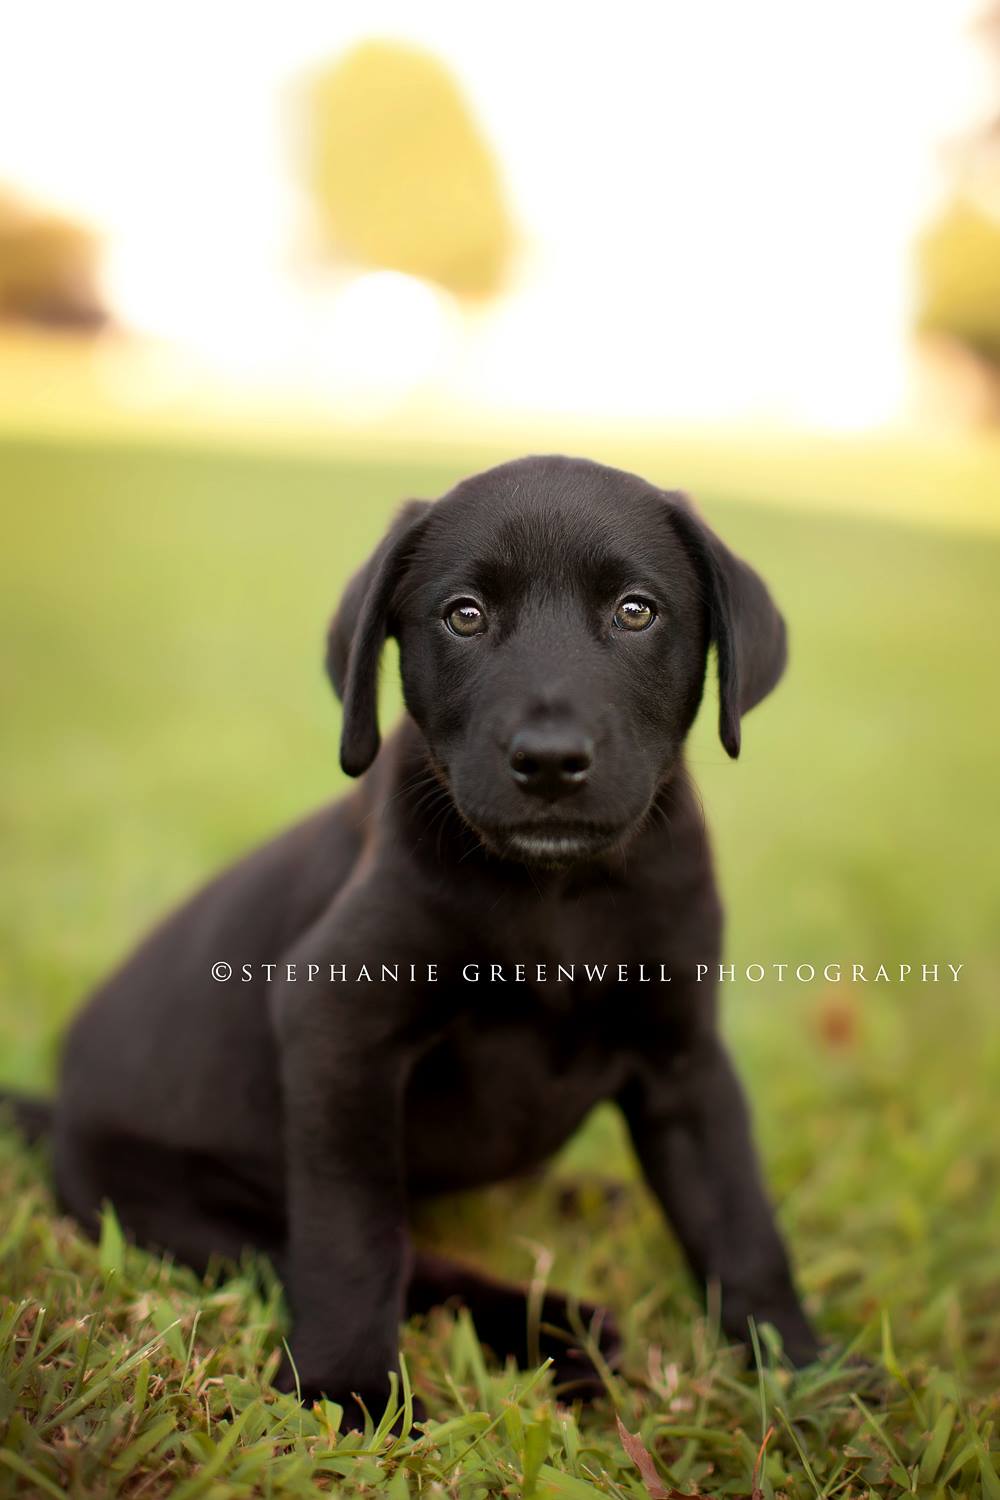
{"points": [[173, 1202], [506, 1320]]}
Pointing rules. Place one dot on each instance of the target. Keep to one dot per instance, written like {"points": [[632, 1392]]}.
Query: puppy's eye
{"points": [[634, 613], [465, 618]]}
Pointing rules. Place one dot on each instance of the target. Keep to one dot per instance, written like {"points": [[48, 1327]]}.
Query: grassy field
{"points": [[164, 708]]}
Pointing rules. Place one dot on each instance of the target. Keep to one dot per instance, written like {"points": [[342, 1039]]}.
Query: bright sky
{"points": [[716, 199]]}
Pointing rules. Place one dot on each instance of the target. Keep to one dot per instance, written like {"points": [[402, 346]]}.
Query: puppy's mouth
{"points": [[552, 843]]}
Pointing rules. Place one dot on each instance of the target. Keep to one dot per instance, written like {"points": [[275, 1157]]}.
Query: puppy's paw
{"points": [[859, 1371], [582, 1342], [799, 1344], [374, 1401], [353, 1398]]}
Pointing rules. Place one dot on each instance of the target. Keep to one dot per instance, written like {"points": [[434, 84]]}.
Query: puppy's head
{"points": [[554, 618]]}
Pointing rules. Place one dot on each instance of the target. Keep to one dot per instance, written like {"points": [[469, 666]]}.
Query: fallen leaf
{"points": [[643, 1460]]}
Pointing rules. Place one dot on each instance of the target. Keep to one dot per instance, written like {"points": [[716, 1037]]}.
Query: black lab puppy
{"points": [[553, 618]]}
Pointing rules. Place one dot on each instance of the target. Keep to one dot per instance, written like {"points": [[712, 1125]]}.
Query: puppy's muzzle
{"points": [[551, 760]]}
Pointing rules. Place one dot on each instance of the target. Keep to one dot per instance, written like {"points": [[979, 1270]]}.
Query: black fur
{"points": [[531, 807]]}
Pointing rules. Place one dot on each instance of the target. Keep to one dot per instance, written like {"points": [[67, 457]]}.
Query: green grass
{"points": [[164, 709]]}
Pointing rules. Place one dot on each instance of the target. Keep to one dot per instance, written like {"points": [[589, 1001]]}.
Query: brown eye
{"points": [[465, 618], [634, 613]]}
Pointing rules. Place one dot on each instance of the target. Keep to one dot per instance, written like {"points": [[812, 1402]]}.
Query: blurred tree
{"points": [[958, 258], [398, 170], [48, 268], [959, 271]]}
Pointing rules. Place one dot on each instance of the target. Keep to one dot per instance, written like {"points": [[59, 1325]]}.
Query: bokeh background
{"points": [[265, 271]]}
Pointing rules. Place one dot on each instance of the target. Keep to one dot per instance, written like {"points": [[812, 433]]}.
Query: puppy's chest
{"points": [[505, 1089]]}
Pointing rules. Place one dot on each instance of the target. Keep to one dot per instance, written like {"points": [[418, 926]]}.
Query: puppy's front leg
{"points": [[691, 1128], [345, 1060]]}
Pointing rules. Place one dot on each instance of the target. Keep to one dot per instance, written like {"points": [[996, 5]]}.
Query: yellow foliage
{"points": [[48, 268], [959, 276], [400, 173]]}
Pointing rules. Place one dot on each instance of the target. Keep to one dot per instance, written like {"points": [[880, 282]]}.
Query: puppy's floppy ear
{"points": [[357, 632], [744, 624]]}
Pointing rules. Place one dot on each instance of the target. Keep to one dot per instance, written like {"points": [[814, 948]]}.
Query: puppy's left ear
{"points": [[745, 626], [358, 630]]}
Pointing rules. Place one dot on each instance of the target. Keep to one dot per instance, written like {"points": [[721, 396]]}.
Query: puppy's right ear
{"points": [[358, 630], [746, 627]]}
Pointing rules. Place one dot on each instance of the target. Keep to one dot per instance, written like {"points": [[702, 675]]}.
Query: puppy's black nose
{"points": [[551, 760]]}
